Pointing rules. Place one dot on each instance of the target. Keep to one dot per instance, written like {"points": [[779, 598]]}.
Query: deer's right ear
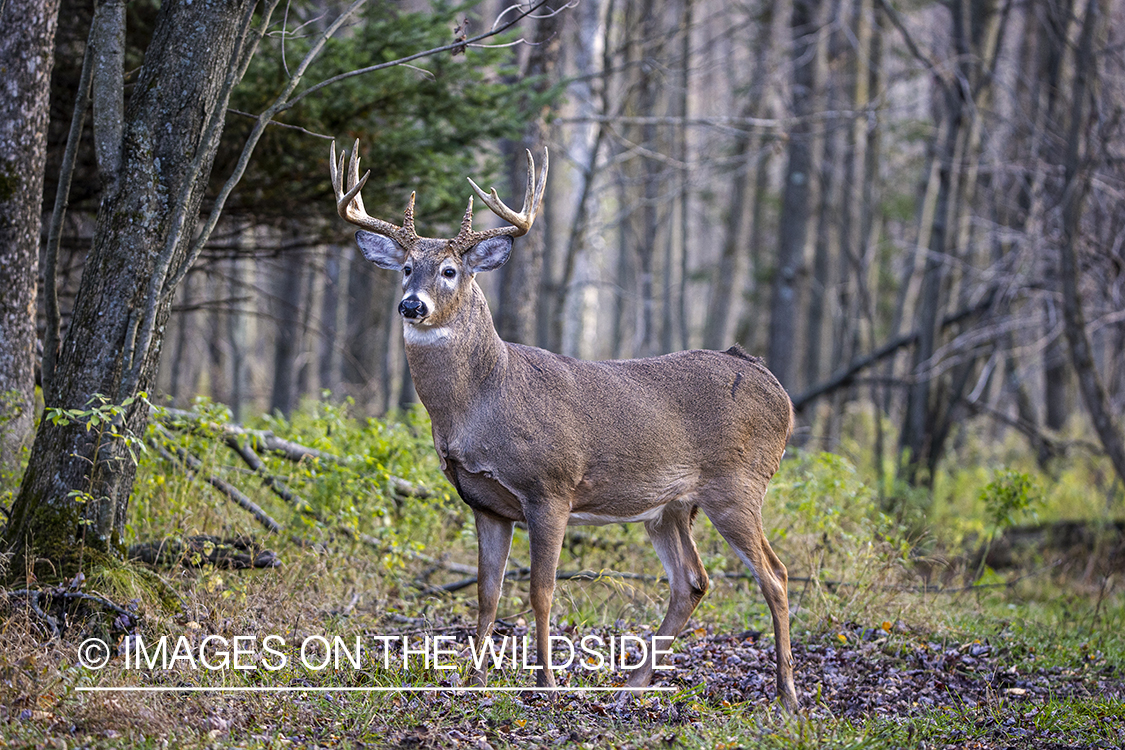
{"points": [[382, 251]]}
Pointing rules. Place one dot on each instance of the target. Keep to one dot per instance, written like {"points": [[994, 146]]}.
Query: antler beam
{"points": [[520, 222], [349, 203]]}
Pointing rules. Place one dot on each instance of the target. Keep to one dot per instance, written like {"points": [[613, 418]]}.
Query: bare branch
{"points": [[192, 466], [410, 58]]}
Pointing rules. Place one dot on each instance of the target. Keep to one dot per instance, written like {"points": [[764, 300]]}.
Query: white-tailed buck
{"points": [[527, 435]]}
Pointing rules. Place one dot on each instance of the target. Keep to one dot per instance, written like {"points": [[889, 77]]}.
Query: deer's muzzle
{"points": [[412, 307]]}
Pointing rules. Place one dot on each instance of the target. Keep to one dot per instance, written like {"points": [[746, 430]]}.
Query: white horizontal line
{"points": [[406, 689]]}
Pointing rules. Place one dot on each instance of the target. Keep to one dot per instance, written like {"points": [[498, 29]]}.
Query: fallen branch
{"points": [[1055, 445], [192, 466], [265, 440], [32, 597], [524, 574], [275, 485], [846, 376]]}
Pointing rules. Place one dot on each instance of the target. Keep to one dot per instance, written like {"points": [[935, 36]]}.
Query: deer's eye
{"points": [[449, 273], [406, 270]]}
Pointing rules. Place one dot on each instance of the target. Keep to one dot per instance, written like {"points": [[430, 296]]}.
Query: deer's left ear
{"points": [[489, 254]]}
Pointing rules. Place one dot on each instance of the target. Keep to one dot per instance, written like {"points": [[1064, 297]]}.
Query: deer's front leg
{"points": [[494, 540], [545, 530]]}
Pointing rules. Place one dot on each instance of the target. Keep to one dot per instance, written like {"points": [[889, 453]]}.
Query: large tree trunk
{"points": [[27, 43], [165, 164]]}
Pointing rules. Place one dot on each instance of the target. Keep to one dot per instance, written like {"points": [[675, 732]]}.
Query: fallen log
{"points": [[192, 466], [238, 553]]}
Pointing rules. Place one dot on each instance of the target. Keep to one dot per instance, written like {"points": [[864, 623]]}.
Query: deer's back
{"points": [[675, 418]]}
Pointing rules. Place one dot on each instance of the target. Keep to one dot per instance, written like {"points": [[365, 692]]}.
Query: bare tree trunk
{"points": [[238, 323], [831, 157], [560, 308], [179, 352], [337, 266], [288, 338], [785, 304], [521, 276], [1077, 185], [27, 45], [728, 273]]}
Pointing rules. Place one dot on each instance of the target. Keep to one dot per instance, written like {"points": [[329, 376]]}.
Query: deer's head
{"points": [[437, 274]]}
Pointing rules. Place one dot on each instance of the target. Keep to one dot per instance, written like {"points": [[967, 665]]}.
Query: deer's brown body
{"points": [[528, 435]]}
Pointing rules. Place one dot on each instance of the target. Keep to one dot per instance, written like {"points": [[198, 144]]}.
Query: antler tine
{"points": [[349, 203], [532, 199]]}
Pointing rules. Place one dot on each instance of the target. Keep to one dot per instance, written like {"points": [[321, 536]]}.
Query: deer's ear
{"points": [[488, 254], [382, 251]]}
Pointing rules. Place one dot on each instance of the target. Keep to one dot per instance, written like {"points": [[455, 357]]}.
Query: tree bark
{"points": [[520, 281], [165, 163], [1074, 195], [721, 305], [283, 396], [27, 45], [795, 209]]}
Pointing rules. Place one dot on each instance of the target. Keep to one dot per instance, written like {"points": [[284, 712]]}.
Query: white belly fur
{"points": [[602, 519]]}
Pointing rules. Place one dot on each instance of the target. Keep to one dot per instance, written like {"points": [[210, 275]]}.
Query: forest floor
{"points": [[893, 647], [992, 671]]}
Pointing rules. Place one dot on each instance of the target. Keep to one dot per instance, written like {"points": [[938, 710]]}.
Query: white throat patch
{"points": [[425, 335]]}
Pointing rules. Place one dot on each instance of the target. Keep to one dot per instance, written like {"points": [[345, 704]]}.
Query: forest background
{"points": [[911, 210]]}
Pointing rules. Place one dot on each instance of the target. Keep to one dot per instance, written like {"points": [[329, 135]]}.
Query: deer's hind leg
{"points": [[671, 536], [735, 510]]}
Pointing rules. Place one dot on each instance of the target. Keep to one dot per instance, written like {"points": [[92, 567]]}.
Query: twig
{"points": [[523, 574], [33, 595], [846, 376], [251, 459]]}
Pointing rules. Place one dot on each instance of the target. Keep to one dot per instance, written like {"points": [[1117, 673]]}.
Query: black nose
{"points": [[412, 307]]}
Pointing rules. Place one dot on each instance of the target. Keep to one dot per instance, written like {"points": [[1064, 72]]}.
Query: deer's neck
{"points": [[453, 367]]}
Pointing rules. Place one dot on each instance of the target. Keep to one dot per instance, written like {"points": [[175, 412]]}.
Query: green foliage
{"points": [[824, 518], [10, 404], [106, 419], [834, 534], [1008, 497], [353, 497], [421, 126]]}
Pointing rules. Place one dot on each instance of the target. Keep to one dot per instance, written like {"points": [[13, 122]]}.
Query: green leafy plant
{"points": [[1007, 498]]}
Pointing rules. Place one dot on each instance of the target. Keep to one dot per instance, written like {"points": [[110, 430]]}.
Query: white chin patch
{"points": [[423, 334]]}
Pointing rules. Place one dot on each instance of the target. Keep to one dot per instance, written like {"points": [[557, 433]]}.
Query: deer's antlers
{"points": [[521, 222], [349, 205]]}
